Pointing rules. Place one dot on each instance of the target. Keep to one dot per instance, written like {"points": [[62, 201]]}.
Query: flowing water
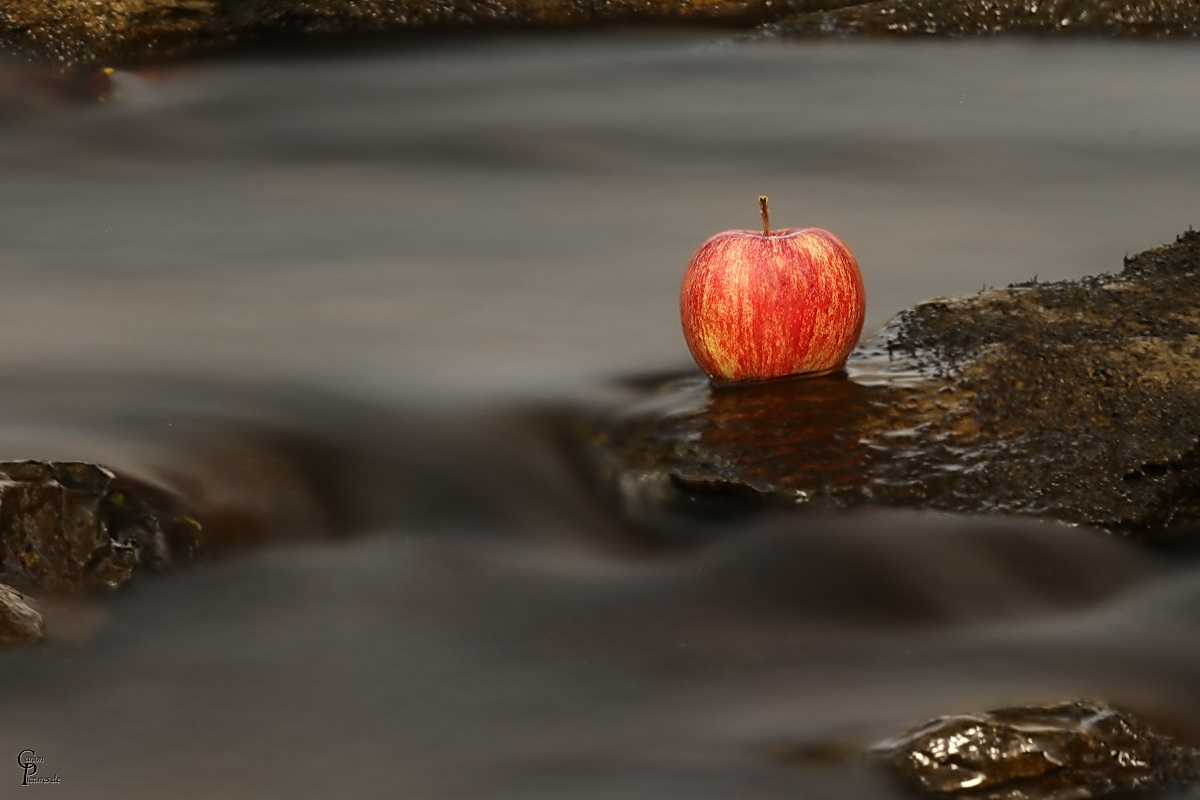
{"points": [[332, 291]]}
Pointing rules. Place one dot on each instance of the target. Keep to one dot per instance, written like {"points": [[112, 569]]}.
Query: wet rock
{"points": [[1142, 18], [20, 620], [1072, 750], [118, 32], [73, 33], [122, 32], [1077, 401], [70, 527]]}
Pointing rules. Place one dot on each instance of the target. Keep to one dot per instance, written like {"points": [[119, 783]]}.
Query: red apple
{"points": [[771, 304]]}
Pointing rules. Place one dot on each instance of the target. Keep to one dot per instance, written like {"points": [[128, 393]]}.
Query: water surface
{"points": [[331, 291]]}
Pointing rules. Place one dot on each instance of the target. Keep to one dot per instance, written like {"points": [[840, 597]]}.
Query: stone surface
{"points": [[121, 32], [70, 527], [124, 31], [1072, 750], [1144, 18], [1077, 401], [20, 621]]}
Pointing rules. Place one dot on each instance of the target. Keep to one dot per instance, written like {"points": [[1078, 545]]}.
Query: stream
{"points": [[338, 295]]}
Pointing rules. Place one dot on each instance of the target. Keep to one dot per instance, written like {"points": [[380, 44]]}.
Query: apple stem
{"points": [[762, 207]]}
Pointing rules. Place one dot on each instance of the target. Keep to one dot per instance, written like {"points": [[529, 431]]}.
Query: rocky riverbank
{"points": [[125, 32]]}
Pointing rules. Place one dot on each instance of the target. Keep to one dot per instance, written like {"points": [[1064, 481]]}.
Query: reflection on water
{"points": [[325, 293]]}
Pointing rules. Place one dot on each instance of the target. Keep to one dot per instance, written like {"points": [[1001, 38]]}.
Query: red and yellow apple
{"points": [[758, 305]]}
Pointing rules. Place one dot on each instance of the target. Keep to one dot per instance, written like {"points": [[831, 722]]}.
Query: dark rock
{"points": [[1077, 401], [1073, 750], [71, 527], [20, 621], [117, 32], [1143, 18], [72, 33], [121, 32]]}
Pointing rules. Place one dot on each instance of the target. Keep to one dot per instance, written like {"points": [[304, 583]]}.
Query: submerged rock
{"points": [[1077, 401], [1070, 751], [71, 527], [20, 621]]}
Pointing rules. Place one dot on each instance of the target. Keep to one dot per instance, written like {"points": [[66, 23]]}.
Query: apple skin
{"points": [[757, 306]]}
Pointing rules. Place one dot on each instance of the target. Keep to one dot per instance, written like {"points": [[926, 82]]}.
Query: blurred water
{"points": [[327, 290], [516, 215]]}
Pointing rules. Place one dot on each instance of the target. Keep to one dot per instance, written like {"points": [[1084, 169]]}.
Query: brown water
{"points": [[329, 292]]}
